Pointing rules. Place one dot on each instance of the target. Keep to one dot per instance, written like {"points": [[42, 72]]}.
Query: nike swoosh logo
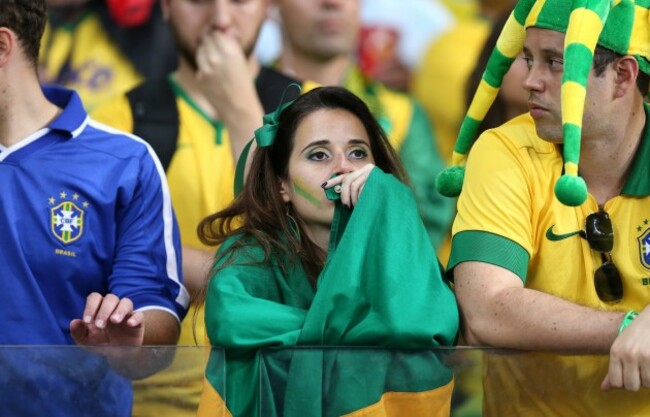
{"points": [[553, 237]]}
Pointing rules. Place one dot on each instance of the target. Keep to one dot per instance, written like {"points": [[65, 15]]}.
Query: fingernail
{"points": [[323, 184], [117, 317], [99, 323], [87, 319]]}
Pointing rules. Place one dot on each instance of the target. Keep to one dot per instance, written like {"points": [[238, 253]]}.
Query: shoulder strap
{"points": [[241, 167], [270, 85], [155, 117]]}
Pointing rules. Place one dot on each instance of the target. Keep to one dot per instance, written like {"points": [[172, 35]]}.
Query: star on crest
{"points": [[63, 194], [51, 200]]}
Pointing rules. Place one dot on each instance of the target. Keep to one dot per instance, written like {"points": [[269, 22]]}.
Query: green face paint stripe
{"points": [[305, 194]]}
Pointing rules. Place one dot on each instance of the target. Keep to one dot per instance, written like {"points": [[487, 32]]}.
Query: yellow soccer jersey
{"points": [[200, 177], [82, 57], [508, 216]]}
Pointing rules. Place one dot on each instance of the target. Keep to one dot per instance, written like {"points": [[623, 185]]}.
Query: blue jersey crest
{"points": [[644, 248], [67, 221]]}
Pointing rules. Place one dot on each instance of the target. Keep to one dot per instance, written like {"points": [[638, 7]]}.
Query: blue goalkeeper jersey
{"points": [[83, 208]]}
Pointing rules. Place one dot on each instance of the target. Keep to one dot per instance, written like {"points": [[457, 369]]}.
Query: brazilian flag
{"points": [[381, 286]]}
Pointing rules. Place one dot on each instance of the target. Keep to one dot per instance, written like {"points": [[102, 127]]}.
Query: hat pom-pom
{"points": [[571, 190], [450, 181]]}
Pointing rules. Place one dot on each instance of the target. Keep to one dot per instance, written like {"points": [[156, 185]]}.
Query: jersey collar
{"points": [[638, 183], [73, 117]]}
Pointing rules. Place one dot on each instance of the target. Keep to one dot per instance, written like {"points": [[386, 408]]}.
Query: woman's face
{"points": [[326, 142]]}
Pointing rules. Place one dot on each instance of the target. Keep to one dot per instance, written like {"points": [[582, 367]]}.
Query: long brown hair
{"points": [[260, 215]]}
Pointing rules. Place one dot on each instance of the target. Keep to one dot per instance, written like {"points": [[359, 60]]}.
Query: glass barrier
{"points": [[71, 381], [310, 382]]}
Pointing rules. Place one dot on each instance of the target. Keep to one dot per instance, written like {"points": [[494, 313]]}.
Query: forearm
{"points": [[137, 362], [522, 318], [196, 266], [160, 328]]}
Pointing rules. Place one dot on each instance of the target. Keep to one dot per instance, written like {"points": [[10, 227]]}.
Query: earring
{"points": [[293, 225]]}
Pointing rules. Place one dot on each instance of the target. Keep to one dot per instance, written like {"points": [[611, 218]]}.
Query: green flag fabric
{"points": [[381, 286]]}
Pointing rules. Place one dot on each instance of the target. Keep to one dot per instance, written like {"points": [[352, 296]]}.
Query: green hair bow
{"points": [[265, 135], [620, 25]]}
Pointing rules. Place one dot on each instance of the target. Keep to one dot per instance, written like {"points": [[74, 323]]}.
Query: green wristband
{"points": [[629, 317]]}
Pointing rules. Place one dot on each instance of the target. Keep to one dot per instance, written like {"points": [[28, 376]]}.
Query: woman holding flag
{"points": [[324, 247]]}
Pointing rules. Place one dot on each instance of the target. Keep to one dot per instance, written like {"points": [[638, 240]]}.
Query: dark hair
{"points": [[603, 57], [26, 18], [260, 213]]}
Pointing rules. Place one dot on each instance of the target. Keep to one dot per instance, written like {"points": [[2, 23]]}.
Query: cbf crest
{"points": [[67, 219], [644, 248]]}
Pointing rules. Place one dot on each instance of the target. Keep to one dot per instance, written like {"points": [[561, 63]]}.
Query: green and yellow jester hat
{"points": [[622, 26]]}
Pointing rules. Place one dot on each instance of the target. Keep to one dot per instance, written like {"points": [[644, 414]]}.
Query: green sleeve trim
{"points": [[487, 247]]}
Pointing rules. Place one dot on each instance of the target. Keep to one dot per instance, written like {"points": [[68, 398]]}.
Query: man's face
{"points": [[544, 55], [321, 28], [191, 20]]}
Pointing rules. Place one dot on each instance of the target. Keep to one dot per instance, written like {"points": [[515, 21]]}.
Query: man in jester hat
{"points": [[549, 255]]}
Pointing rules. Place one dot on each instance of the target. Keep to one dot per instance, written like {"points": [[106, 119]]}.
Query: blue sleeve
{"points": [[147, 264]]}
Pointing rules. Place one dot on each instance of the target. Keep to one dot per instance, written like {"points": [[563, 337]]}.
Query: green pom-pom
{"points": [[571, 190], [450, 181]]}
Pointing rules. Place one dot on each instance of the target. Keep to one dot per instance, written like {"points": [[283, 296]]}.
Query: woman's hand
{"points": [[350, 185]]}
